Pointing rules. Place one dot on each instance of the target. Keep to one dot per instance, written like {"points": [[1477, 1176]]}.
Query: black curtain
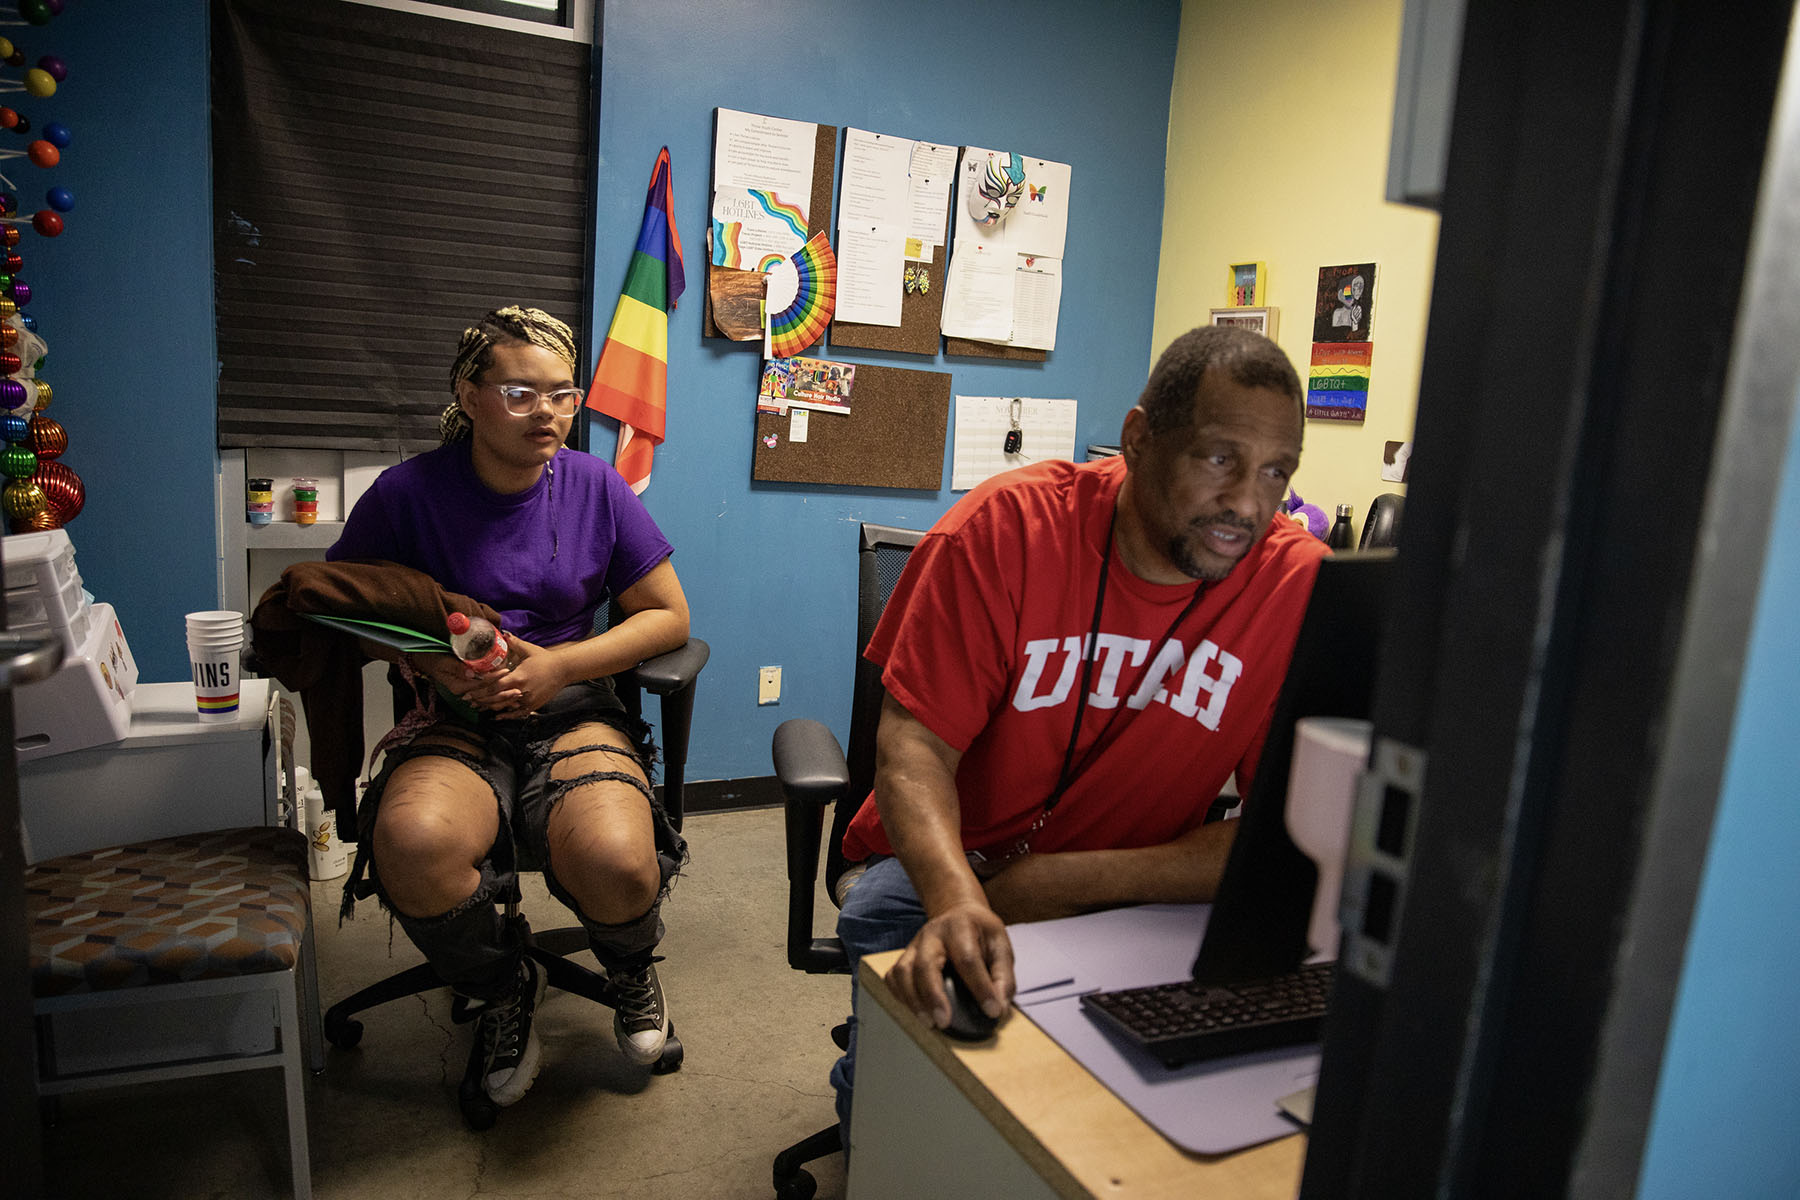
{"points": [[380, 180]]}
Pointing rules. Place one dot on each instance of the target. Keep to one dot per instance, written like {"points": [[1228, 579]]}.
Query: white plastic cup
{"points": [[1329, 756], [215, 643], [327, 856]]}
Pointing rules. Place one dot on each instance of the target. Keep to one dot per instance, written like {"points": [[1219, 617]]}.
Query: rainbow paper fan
{"points": [[803, 322]]}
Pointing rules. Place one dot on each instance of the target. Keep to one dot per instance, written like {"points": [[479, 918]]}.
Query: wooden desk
{"points": [[1016, 1117]]}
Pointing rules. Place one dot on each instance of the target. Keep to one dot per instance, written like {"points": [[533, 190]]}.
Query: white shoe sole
{"points": [[644, 1052]]}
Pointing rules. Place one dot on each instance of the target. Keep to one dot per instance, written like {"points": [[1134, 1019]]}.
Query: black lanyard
{"points": [[1067, 775]]}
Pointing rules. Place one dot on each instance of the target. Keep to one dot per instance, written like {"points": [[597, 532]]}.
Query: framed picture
{"points": [[1256, 320], [1244, 284]]}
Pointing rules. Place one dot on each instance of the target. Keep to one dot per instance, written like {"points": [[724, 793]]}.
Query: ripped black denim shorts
{"points": [[514, 758]]}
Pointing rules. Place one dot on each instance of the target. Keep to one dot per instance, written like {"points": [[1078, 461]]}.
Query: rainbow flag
{"points": [[631, 380]]}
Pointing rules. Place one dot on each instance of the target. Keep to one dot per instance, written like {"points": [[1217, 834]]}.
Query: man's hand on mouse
{"points": [[972, 938]]}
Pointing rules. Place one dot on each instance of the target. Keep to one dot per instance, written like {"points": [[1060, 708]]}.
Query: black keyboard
{"points": [[1191, 1022]]}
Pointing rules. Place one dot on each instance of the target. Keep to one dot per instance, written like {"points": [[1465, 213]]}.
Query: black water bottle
{"points": [[1341, 537]]}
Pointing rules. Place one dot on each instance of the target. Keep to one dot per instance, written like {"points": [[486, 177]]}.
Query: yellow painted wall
{"points": [[1278, 145]]}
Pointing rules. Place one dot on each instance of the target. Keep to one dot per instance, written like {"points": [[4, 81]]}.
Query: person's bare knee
{"points": [[602, 839], [436, 823]]}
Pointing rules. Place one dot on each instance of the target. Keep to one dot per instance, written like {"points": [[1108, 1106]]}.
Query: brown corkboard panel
{"points": [[892, 437], [920, 315], [818, 212], [964, 348]]}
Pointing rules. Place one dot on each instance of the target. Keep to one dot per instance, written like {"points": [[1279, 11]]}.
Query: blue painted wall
{"points": [[124, 300], [1727, 1102], [126, 295], [769, 567]]}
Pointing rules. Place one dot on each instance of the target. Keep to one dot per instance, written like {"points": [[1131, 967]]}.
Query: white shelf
{"points": [[288, 535]]}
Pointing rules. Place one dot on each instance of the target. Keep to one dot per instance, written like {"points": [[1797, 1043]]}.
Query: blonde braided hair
{"points": [[475, 354]]}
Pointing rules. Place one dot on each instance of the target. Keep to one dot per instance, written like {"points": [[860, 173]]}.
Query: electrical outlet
{"points": [[768, 685]]}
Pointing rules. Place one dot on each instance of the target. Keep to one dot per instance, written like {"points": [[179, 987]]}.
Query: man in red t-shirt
{"points": [[1077, 658]]}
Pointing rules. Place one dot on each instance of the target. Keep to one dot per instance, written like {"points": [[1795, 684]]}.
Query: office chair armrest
{"points": [[810, 764], [669, 673]]}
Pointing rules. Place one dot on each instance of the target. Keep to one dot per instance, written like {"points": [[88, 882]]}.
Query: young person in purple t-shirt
{"points": [[504, 513]]}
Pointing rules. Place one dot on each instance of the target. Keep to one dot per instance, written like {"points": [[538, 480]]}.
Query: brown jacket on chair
{"points": [[325, 666]]}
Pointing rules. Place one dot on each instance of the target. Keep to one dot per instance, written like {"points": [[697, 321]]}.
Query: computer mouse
{"points": [[968, 1023]]}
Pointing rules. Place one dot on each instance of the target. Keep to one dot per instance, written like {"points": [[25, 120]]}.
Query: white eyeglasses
{"points": [[523, 401]]}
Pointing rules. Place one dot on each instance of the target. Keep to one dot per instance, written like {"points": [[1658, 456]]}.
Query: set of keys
{"points": [[1015, 437]]}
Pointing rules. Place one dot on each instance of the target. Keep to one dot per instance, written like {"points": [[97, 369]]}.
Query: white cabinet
{"points": [[173, 773]]}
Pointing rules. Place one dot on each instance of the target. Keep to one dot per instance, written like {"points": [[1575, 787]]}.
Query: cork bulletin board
{"points": [[818, 212], [920, 315], [892, 437]]}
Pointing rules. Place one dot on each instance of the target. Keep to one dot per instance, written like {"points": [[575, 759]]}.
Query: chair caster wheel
{"points": [[672, 1055], [343, 1032], [800, 1187]]}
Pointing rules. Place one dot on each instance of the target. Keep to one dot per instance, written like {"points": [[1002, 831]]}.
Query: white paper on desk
{"points": [[932, 170], [870, 263], [978, 296], [1037, 299], [876, 189], [769, 153], [1119, 948], [1038, 963], [750, 225], [982, 423]]}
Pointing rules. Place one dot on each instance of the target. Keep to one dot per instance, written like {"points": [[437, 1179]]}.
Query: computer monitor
{"points": [[1259, 918]]}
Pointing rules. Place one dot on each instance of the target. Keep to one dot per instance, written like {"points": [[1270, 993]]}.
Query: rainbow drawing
{"points": [[769, 260], [791, 215], [803, 322], [725, 243]]}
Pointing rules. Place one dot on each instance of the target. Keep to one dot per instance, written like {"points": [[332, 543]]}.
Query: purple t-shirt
{"points": [[545, 558]]}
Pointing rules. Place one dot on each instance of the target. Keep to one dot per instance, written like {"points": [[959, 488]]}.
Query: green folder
{"points": [[397, 636]]}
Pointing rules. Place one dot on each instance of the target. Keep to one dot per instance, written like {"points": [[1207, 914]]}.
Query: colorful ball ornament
{"points": [[41, 521], [40, 82], [9, 203], [54, 67], [36, 12], [9, 235], [12, 261], [20, 291], [44, 395], [18, 461], [46, 222], [16, 58], [57, 134], [60, 198], [9, 365], [6, 47], [48, 437], [23, 499], [43, 153], [13, 395], [63, 490], [15, 428]]}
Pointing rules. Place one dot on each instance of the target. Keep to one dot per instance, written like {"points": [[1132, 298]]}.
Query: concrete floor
{"points": [[383, 1117]]}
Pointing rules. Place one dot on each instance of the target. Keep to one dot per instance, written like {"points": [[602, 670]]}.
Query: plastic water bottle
{"points": [[1341, 536], [477, 642]]}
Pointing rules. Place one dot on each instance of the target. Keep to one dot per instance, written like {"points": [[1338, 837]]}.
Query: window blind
{"points": [[380, 180]]}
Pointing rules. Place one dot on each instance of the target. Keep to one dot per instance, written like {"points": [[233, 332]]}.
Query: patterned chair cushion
{"points": [[199, 906]]}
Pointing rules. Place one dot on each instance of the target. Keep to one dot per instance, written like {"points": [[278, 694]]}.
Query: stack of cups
{"points": [[306, 499], [215, 640], [259, 500]]}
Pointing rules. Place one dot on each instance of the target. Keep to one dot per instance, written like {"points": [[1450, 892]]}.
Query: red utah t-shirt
{"points": [[984, 638]]}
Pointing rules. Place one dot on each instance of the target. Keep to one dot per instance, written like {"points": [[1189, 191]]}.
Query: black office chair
{"points": [[1382, 526], [673, 677], [815, 775]]}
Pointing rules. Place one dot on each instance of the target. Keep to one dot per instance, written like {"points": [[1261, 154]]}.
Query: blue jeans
{"points": [[881, 912]]}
